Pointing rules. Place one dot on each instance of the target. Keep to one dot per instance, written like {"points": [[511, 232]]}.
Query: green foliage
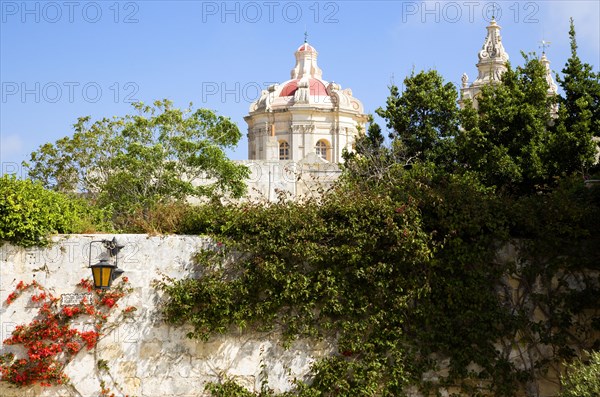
{"points": [[29, 213], [423, 116], [404, 275], [581, 93], [505, 140], [404, 263], [313, 254], [372, 141], [348, 266], [572, 149], [582, 378], [134, 162], [520, 138], [558, 234], [229, 388]]}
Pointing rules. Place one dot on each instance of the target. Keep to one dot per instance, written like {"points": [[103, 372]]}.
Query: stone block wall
{"points": [[296, 180], [146, 357]]}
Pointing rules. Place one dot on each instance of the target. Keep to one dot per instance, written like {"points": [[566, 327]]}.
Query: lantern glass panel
{"points": [[102, 276]]}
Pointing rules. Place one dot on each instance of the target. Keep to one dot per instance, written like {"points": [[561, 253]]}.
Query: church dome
{"points": [[306, 87], [317, 87], [304, 118]]}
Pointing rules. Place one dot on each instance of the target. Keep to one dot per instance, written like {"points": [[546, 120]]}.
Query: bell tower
{"points": [[490, 67]]}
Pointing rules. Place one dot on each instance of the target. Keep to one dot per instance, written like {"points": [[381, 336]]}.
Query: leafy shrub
{"points": [[29, 213], [582, 378], [157, 218], [228, 389], [403, 274]]}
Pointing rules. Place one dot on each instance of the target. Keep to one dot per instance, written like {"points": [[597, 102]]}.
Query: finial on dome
{"points": [[306, 36], [543, 45]]}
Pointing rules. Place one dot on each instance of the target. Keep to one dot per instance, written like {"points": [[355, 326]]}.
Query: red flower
{"points": [[49, 340], [37, 298], [73, 347], [70, 311], [11, 297], [86, 284], [90, 338], [110, 302]]}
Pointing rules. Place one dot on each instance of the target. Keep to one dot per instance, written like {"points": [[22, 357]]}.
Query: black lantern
{"points": [[107, 269]]}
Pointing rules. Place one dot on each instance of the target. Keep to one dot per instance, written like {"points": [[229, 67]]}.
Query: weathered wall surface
{"points": [[294, 179], [146, 357]]}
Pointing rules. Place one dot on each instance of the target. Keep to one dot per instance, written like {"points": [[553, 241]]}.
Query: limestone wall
{"points": [[296, 180], [145, 356]]}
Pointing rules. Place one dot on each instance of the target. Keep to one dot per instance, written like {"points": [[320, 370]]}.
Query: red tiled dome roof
{"points": [[316, 88], [306, 47]]}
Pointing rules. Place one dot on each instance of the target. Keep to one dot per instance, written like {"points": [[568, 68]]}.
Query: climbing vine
{"points": [[53, 338], [405, 275]]}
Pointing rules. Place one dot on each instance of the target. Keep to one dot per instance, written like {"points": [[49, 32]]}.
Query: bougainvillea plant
{"points": [[51, 340]]}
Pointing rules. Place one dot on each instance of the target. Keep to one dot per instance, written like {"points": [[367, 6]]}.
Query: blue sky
{"points": [[63, 59]]}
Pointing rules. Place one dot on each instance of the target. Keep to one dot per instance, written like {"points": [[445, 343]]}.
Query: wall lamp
{"points": [[107, 269]]}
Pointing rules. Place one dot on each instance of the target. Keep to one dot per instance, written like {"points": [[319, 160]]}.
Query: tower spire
{"points": [[491, 65], [552, 87]]}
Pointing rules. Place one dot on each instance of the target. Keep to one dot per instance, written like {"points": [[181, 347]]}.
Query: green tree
{"points": [[582, 378], [374, 136], [137, 161], [517, 141], [571, 148], [504, 139], [423, 118], [371, 158]]}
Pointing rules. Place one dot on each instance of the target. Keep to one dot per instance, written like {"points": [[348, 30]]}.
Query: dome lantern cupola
{"points": [[306, 63]]}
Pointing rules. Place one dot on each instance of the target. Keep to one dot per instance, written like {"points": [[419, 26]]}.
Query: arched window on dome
{"points": [[322, 149], [284, 150]]}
